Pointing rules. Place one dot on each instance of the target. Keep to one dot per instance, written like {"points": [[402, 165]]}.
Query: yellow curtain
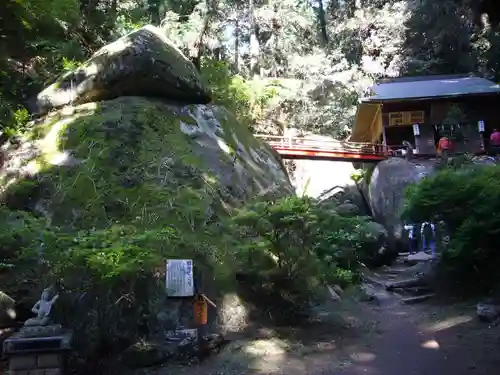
{"points": [[368, 123]]}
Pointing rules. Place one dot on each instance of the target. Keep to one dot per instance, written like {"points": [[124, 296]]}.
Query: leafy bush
{"points": [[289, 248], [357, 175], [245, 98], [112, 278], [468, 202]]}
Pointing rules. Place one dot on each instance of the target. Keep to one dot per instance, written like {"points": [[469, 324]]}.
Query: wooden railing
{"points": [[300, 143]]}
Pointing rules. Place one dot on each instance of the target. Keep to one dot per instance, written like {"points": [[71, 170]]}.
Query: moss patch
{"points": [[131, 153]]}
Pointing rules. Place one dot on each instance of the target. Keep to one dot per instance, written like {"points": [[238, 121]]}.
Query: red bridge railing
{"points": [[300, 143]]}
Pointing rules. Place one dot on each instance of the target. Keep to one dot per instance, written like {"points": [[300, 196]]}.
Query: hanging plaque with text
{"points": [[179, 280]]}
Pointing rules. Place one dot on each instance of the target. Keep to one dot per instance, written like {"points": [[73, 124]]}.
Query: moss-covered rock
{"points": [[141, 180], [142, 63], [113, 159]]}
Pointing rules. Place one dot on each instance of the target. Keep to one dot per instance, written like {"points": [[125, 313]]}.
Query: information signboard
{"points": [[179, 280]]}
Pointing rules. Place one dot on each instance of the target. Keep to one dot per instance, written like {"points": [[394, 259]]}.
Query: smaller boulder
{"points": [[419, 257], [348, 209], [334, 294], [142, 63], [375, 252], [488, 311], [386, 194]]}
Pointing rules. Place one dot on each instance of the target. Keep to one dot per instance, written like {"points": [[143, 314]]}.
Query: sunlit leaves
{"points": [[467, 201]]}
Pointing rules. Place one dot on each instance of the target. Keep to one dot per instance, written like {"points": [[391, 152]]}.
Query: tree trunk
{"points": [[237, 42], [254, 41], [154, 11], [196, 54], [276, 29], [322, 23]]}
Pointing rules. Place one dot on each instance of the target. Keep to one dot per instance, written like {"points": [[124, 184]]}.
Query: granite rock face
{"points": [[386, 192], [142, 63]]}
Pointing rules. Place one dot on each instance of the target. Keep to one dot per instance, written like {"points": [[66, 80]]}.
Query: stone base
{"points": [[20, 345], [36, 364], [40, 331]]}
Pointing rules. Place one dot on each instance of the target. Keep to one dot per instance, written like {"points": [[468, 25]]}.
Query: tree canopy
{"points": [[277, 64]]}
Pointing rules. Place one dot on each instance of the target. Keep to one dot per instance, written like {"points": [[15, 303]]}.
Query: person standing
{"points": [[411, 237], [495, 142], [444, 147], [428, 234]]}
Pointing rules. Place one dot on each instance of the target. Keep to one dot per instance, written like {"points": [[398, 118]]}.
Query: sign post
{"points": [[179, 285]]}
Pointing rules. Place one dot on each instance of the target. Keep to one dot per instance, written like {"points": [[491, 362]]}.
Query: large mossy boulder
{"points": [[114, 159], [142, 63], [127, 157], [386, 192], [145, 164]]}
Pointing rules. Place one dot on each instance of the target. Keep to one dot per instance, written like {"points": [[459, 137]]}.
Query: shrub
{"points": [[468, 202], [112, 278], [246, 99], [289, 248]]}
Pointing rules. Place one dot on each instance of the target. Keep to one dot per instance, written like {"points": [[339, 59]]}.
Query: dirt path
{"points": [[426, 340], [385, 338]]}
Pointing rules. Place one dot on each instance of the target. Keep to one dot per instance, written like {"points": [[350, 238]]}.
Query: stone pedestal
{"points": [[37, 355], [36, 364]]}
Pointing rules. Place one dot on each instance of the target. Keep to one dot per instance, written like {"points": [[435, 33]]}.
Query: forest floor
{"points": [[380, 337]]}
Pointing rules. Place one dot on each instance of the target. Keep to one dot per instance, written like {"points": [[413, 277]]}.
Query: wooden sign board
{"points": [[179, 279], [406, 118]]}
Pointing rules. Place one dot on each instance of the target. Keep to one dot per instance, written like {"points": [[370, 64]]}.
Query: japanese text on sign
{"points": [[179, 278]]}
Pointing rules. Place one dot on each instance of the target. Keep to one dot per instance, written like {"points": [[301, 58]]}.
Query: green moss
{"points": [[39, 131], [128, 148], [21, 195], [132, 154]]}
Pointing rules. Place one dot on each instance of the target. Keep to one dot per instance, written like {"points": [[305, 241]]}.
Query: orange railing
{"points": [[300, 143]]}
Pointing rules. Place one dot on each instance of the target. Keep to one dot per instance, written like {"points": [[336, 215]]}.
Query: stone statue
{"points": [[42, 309]]}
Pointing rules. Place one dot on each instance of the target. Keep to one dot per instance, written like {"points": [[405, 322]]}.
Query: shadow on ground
{"points": [[318, 345], [458, 333]]}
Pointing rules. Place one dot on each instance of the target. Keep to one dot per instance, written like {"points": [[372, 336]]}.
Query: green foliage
{"points": [[358, 175], [468, 202], [246, 99], [291, 247], [12, 121], [368, 173], [20, 232], [228, 89], [111, 277], [454, 119]]}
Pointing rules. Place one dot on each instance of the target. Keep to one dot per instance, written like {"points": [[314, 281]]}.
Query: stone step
{"points": [[414, 291], [374, 281], [395, 272], [404, 283], [416, 299]]}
